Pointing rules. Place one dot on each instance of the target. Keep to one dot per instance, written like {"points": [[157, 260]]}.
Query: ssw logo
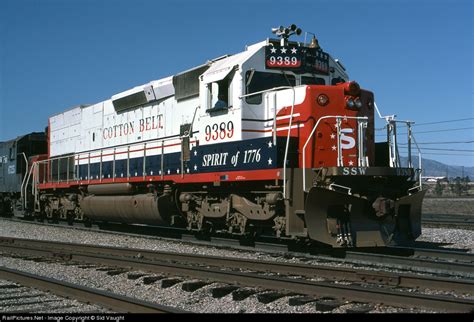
{"points": [[347, 142]]}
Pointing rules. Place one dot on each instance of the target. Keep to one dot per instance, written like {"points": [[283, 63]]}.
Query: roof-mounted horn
{"points": [[285, 33]]}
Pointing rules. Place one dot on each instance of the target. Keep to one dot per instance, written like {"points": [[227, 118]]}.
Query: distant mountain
{"points": [[432, 168]]}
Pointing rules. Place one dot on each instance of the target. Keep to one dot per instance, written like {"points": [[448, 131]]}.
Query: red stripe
{"points": [[258, 131], [256, 175]]}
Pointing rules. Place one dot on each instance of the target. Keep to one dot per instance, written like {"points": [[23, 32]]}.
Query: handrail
{"points": [[337, 117], [266, 91], [341, 186], [274, 125], [419, 162], [181, 137], [390, 119], [287, 142], [100, 153], [22, 187]]}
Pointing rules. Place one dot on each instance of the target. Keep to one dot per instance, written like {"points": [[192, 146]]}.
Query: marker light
{"points": [[358, 103]]}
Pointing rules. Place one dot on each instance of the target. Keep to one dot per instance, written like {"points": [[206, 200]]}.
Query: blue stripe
{"points": [[255, 154]]}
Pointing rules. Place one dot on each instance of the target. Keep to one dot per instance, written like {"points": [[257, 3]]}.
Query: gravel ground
{"points": [[199, 301], [452, 238]]}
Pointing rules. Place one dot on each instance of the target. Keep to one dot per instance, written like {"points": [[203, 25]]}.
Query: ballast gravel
{"points": [[15, 298], [200, 300], [450, 238]]}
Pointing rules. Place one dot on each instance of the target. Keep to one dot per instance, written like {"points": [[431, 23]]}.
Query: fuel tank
{"points": [[141, 208], [111, 189]]}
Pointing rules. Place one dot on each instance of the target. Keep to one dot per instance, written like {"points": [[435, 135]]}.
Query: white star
{"points": [[345, 118], [283, 50], [195, 152], [168, 171], [351, 163], [334, 148], [159, 172], [270, 161], [270, 144], [177, 171], [151, 172], [293, 50], [187, 170], [333, 136], [195, 167], [273, 50]]}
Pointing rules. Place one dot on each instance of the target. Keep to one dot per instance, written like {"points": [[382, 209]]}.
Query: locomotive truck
{"points": [[272, 140]]}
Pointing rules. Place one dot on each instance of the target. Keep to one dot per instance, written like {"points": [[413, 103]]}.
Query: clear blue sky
{"points": [[416, 56]]}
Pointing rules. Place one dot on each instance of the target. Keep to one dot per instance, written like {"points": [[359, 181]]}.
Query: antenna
{"points": [[285, 33]]}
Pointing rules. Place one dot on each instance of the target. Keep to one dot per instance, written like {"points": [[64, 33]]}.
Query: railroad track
{"points": [[114, 302], [283, 277], [442, 220], [270, 245]]}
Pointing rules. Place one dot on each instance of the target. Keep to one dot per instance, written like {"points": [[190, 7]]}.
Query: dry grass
{"points": [[452, 206]]}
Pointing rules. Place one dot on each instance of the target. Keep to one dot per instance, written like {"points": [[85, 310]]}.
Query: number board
{"points": [[297, 59], [277, 57], [316, 61]]}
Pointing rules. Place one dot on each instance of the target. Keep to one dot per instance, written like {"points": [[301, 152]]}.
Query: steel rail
{"points": [[114, 302], [405, 263], [453, 255], [412, 263], [442, 222], [198, 266], [181, 236]]}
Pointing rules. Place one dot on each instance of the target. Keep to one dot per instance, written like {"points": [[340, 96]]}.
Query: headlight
{"points": [[350, 103], [358, 103], [322, 100], [352, 88]]}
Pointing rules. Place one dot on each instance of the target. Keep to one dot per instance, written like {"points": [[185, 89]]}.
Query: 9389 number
{"points": [[219, 131], [283, 61]]}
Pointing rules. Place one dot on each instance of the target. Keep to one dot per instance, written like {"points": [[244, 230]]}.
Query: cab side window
{"points": [[260, 81], [337, 80], [219, 95], [311, 80]]}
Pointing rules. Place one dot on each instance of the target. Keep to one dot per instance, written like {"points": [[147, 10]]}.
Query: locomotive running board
{"points": [[366, 229]]}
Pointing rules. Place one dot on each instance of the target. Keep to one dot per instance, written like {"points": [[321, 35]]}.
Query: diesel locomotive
{"points": [[274, 140]]}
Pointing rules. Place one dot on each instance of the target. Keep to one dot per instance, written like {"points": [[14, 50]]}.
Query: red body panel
{"points": [[320, 151]]}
